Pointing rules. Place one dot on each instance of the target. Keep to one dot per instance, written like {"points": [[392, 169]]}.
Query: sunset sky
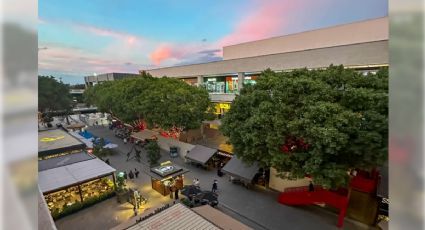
{"points": [[81, 37]]}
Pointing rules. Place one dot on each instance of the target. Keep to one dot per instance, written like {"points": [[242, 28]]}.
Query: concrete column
{"points": [[200, 80], [241, 79]]}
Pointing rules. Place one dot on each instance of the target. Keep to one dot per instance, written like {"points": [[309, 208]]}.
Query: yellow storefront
{"points": [[221, 109]]}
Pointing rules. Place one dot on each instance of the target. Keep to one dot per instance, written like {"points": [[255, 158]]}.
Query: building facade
{"points": [[361, 45], [99, 78]]}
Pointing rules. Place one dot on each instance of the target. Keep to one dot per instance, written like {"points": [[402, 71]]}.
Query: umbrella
{"points": [[208, 197], [110, 146], [189, 190]]}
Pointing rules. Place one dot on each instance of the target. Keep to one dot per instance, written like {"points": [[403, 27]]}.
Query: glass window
{"points": [[231, 84], [215, 84], [250, 80]]}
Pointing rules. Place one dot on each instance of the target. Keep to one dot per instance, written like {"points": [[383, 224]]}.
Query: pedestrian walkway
{"points": [[257, 208]]}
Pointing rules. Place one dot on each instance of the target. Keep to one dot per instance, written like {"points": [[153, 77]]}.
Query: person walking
{"points": [[131, 175], [176, 194], [128, 155], [214, 186], [171, 191], [125, 175], [311, 187], [136, 173], [135, 211]]}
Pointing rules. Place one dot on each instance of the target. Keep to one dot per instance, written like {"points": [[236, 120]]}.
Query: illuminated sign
{"points": [[48, 139]]}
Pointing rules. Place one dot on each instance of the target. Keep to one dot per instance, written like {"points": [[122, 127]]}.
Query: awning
{"points": [[235, 167], [200, 154], [68, 159], [70, 175]]}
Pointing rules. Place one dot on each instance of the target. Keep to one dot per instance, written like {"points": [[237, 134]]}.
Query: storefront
{"points": [[250, 80], [167, 177], [232, 84], [75, 179], [221, 108], [222, 84]]}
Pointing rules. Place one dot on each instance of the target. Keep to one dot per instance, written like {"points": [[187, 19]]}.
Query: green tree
{"points": [[99, 150], [153, 152], [321, 123], [165, 102], [53, 96]]}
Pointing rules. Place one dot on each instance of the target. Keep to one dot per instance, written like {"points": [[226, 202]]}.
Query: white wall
{"points": [[280, 184], [353, 33]]}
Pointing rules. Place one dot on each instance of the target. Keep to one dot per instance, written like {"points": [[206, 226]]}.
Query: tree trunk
{"points": [[67, 120]]}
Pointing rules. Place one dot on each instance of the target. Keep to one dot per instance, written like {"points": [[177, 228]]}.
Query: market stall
{"points": [[241, 171], [167, 177], [202, 156]]}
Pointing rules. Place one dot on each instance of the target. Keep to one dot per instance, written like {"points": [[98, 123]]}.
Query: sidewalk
{"points": [[257, 208]]}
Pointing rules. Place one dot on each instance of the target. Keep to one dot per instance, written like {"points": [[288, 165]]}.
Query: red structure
{"points": [[363, 182], [301, 196]]}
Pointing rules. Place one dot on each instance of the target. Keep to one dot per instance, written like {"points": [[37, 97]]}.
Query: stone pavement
{"points": [[257, 208]]}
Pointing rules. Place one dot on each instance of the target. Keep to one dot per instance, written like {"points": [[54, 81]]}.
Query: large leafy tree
{"points": [[321, 123], [163, 101], [53, 96], [153, 152]]}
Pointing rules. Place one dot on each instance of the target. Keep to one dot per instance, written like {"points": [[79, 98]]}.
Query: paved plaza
{"points": [[257, 208]]}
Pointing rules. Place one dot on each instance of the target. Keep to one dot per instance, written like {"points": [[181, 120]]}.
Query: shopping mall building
{"points": [[361, 45]]}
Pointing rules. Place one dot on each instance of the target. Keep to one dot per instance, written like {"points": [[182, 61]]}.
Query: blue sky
{"points": [[78, 38]]}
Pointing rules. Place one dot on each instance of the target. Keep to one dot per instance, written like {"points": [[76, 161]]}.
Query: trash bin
{"points": [[174, 152]]}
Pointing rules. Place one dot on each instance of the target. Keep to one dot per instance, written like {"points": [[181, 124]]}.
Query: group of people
{"points": [[132, 175], [214, 185]]}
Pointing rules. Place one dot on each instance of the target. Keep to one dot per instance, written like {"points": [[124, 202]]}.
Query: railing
{"points": [[302, 196]]}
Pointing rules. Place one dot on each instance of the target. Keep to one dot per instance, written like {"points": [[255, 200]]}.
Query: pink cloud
{"points": [[128, 38], [160, 54], [165, 51], [267, 18]]}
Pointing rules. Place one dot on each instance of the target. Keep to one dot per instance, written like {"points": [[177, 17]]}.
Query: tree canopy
{"points": [[153, 152], [165, 102], [53, 95], [321, 123]]}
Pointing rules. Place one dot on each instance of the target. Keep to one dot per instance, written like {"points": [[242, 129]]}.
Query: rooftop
{"points": [[57, 141], [68, 175], [63, 160], [177, 217]]}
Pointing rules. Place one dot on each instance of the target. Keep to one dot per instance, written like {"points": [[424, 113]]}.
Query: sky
{"points": [[83, 37]]}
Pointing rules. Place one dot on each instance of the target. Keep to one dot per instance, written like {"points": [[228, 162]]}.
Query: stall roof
{"points": [[220, 219], [72, 174], [159, 177], [57, 141], [236, 167], [177, 217], [63, 160], [200, 154]]}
